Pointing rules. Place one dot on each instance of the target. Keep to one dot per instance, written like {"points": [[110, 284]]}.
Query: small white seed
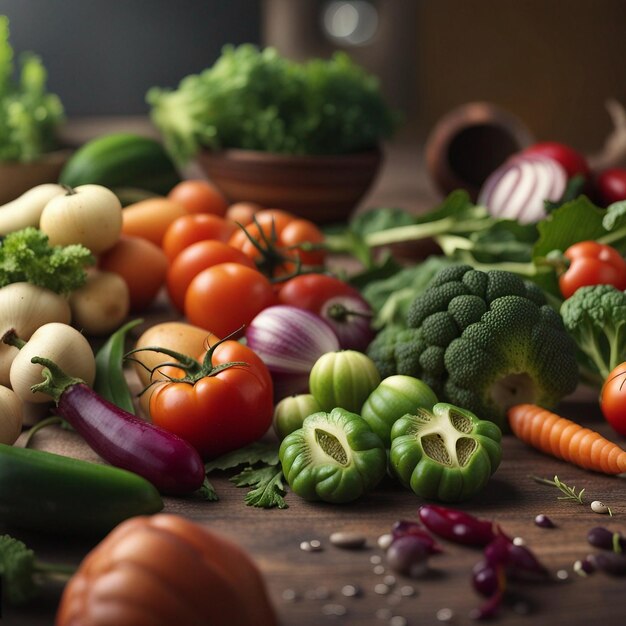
{"points": [[384, 541], [599, 507], [347, 540]]}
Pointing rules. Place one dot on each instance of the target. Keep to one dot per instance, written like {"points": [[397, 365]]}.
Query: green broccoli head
{"points": [[596, 317], [486, 341], [396, 350]]}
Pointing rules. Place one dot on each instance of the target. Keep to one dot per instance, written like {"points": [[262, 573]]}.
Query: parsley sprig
{"points": [[261, 470]]}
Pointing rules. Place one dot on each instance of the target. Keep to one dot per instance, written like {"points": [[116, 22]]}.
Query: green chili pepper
{"points": [[446, 454], [110, 381], [48, 492], [335, 457]]}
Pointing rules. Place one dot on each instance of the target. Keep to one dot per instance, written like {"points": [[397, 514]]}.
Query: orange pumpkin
{"points": [[165, 570]]}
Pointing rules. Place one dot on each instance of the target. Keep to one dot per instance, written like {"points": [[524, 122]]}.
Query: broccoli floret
{"points": [[596, 317], [484, 341], [396, 350]]}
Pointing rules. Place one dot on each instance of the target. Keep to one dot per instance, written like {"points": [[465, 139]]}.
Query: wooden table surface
{"points": [[303, 584]]}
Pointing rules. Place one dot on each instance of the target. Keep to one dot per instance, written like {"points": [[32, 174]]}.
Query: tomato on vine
{"points": [[280, 242], [219, 404], [592, 263]]}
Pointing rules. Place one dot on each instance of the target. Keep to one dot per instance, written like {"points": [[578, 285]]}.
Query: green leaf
{"points": [[17, 568], [578, 220], [206, 492], [257, 452], [614, 222], [269, 487]]}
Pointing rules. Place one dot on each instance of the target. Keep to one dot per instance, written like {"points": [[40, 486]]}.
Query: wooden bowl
{"points": [[322, 188], [17, 178]]}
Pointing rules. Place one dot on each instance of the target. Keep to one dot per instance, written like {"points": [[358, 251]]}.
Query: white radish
{"points": [[26, 210], [89, 214], [101, 304], [63, 345], [11, 416], [23, 309]]}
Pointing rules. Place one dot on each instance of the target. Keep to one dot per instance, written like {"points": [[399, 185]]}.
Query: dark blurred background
{"points": [[553, 63]]}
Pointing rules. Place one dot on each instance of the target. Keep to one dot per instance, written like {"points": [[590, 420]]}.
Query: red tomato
{"points": [[312, 291], [592, 263], [199, 196], [220, 412], [225, 297], [195, 258], [611, 185], [572, 161], [279, 235], [613, 399], [189, 229], [242, 212]]}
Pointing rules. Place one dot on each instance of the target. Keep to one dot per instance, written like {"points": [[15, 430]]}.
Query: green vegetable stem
{"points": [[110, 381], [446, 454], [52, 493], [334, 457]]}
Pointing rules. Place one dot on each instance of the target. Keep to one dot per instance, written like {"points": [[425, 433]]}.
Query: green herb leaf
{"points": [[17, 569], [569, 492], [269, 487], [26, 256], [257, 452], [207, 492]]}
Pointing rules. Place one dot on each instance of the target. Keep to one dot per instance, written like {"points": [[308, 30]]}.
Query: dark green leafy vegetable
{"points": [[26, 256], [483, 341], [258, 100], [29, 116], [595, 316]]}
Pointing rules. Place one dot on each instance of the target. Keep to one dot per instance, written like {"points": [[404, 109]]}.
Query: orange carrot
{"points": [[565, 439]]}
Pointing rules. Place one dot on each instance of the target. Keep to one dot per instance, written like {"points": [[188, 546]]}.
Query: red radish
{"points": [[518, 188], [572, 161], [611, 185]]}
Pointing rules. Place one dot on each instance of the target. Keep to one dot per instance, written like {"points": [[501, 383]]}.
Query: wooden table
{"points": [[303, 584]]}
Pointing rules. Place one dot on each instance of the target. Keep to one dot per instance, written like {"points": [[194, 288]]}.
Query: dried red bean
{"points": [[612, 563], [456, 526], [518, 560], [543, 521], [408, 555], [403, 528], [486, 578], [606, 539]]}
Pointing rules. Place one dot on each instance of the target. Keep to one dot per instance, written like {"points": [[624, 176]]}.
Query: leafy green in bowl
{"points": [[255, 99]]}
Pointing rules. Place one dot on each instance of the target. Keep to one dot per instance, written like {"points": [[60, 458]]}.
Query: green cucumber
{"points": [[52, 493], [121, 160]]}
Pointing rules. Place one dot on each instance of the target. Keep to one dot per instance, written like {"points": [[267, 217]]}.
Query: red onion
{"points": [[518, 188], [290, 340], [350, 318]]}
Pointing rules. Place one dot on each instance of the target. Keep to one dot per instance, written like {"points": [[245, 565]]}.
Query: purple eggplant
{"points": [[170, 463]]}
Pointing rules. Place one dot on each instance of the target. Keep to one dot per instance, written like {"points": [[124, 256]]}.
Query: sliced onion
{"points": [[518, 188], [289, 340], [350, 318]]}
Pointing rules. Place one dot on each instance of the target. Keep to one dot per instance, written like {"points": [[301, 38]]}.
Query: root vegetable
{"points": [[90, 215], [565, 439], [26, 210], [101, 304], [11, 416], [60, 343]]}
